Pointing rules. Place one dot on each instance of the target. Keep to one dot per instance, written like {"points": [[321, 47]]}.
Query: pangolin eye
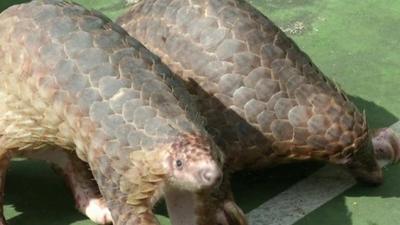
{"points": [[179, 164]]}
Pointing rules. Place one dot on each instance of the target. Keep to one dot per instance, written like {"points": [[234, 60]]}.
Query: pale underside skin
{"points": [[181, 207]]}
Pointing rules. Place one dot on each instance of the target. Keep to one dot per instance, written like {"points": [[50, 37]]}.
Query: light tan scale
{"points": [[73, 82]]}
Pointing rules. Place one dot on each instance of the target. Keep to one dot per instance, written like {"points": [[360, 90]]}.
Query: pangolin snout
{"points": [[386, 143], [210, 176]]}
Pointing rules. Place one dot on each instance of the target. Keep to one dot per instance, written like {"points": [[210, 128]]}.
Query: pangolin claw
{"points": [[231, 214]]}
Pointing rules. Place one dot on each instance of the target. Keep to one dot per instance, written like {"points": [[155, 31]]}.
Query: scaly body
{"points": [[71, 78], [263, 98]]}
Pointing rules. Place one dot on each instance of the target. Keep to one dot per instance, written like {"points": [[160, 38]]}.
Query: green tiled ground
{"points": [[357, 43]]}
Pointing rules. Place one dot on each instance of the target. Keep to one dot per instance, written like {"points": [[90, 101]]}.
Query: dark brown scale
{"points": [[254, 76]]}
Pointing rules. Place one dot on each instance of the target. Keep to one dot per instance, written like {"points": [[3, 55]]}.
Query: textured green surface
{"points": [[354, 42], [357, 43]]}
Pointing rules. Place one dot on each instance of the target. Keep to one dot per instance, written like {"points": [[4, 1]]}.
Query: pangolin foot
{"points": [[231, 214], [98, 212]]}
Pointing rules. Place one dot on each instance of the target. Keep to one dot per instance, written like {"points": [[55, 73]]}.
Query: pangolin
{"points": [[265, 101], [71, 79], [386, 143]]}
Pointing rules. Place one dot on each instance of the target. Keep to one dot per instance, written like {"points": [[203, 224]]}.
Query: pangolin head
{"points": [[194, 163], [386, 144]]}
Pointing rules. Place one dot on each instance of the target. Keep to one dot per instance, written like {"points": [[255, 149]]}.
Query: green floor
{"points": [[357, 43]]}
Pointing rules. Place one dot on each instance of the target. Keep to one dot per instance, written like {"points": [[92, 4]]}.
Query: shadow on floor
{"points": [[38, 195], [359, 205], [4, 4], [34, 194], [377, 116]]}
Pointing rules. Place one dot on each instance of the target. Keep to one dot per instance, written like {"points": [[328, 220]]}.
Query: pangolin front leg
{"points": [[220, 202], [140, 201], [79, 179], [229, 213], [86, 193], [4, 163]]}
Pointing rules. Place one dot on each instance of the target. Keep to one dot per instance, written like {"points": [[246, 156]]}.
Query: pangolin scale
{"points": [[71, 78], [265, 101]]}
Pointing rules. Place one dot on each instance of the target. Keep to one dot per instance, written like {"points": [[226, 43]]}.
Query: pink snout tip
{"points": [[210, 176]]}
